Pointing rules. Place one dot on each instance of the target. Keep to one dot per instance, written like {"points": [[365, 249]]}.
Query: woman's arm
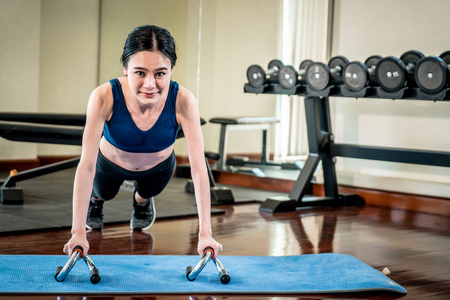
{"points": [[98, 110], [189, 118]]}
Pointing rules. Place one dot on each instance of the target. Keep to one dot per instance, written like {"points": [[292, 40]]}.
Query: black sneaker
{"points": [[94, 219], [143, 214]]}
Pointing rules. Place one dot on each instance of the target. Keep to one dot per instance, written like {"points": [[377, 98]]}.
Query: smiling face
{"points": [[149, 74]]}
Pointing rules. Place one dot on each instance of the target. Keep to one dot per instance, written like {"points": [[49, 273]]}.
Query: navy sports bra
{"points": [[122, 132]]}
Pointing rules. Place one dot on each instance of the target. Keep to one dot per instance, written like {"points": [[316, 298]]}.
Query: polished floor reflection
{"points": [[414, 246]]}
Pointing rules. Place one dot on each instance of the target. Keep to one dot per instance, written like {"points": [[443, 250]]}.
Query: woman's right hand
{"points": [[77, 240]]}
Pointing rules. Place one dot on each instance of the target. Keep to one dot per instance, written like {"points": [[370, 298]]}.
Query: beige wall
{"points": [[72, 46], [57, 51], [69, 46], [367, 27], [248, 32], [235, 35], [19, 58], [119, 17], [52, 61]]}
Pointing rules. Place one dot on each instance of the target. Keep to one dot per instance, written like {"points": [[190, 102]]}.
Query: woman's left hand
{"points": [[207, 240]]}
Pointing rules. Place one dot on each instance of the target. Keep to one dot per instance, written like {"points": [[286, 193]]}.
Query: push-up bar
{"points": [[191, 273], [208, 252], [9, 193], [62, 272]]}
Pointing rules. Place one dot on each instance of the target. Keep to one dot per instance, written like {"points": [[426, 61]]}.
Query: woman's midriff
{"points": [[133, 161]]}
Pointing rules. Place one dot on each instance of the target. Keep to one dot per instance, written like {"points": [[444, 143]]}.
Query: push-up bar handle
{"points": [[223, 274], [192, 273], [61, 272], [77, 252], [93, 271], [208, 252]]}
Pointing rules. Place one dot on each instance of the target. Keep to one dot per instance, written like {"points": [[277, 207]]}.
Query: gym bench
{"points": [[243, 123], [12, 128]]}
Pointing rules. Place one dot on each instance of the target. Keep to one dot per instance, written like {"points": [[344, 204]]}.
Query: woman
{"points": [[131, 125]]}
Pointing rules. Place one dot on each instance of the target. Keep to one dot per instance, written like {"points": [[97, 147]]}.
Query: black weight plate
{"points": [[372, 60], [431, 74], [318, 76], [446, 57], [275, 64], [287, 77], [412, 56], [391, 74], [355, 75], [256, 75], [305, 64], [336, 61]]}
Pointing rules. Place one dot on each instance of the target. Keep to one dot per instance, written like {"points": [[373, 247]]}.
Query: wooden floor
{"points": [[414, 246]]}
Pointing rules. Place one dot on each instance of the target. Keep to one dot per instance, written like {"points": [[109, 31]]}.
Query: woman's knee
{"points": [[149, 189], [105, 192]]}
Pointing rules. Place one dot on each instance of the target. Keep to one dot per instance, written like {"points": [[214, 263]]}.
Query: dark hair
{"points": [[149, 38]]}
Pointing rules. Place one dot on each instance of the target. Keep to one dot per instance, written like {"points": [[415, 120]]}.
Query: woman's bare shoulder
{"points": [[185, 97], [103, 92]]}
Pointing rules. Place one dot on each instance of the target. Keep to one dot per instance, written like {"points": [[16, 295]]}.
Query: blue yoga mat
{"points": [[158, 274]]}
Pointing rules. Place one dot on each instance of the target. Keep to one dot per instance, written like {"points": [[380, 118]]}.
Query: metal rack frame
{"points": [[322, 147]]}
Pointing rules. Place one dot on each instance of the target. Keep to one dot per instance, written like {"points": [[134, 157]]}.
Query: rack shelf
{"points": [[342, 91]]}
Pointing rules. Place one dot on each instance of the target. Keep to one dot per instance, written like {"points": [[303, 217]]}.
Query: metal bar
{"points": [[93, 271], [328, 166], [319, 132], [264, 153], [312, 123], [62, 273], [199, 267], [223, 274], [89, 262], [330, 23], [315, 154], [329, 177], [212, 182], [304, 179], [39, 171], [422, 157], [222, 144]]}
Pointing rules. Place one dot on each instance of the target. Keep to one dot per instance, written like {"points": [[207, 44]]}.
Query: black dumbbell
{"points": [[319, 75], [257, 76], [393, 73], [358, 75], [288, 77], [432, 73]]}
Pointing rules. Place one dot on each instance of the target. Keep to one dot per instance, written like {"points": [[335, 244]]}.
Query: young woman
{"points": [[131, 125]]}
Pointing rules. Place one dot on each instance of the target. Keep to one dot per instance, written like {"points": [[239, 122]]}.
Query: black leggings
{"points": [[149, 183]]}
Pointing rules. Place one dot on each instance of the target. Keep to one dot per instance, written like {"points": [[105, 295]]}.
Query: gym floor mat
{"points": [[158, 274], [48, 203]]}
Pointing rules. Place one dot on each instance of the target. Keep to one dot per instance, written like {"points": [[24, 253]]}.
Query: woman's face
{"points": [[149, 74]]}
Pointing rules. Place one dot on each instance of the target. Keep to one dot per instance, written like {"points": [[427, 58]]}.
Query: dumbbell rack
{"points": [[322, 147]]}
